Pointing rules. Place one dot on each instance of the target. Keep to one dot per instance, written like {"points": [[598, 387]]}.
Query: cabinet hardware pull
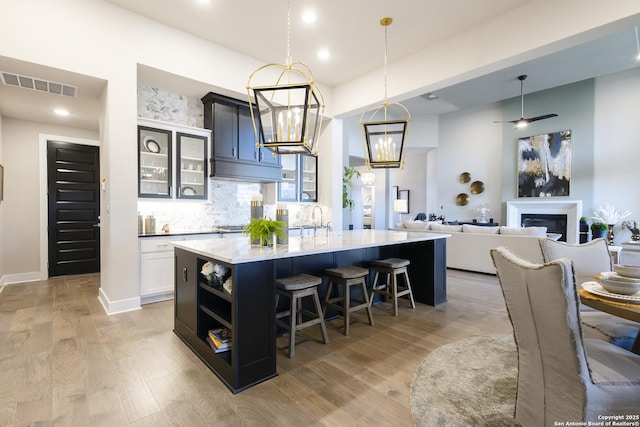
{"points": [[184, 274], [233, 151]]}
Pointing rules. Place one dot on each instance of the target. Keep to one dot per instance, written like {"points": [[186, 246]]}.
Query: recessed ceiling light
{"points": [[61, 112], [323, 54], [309, 17]]}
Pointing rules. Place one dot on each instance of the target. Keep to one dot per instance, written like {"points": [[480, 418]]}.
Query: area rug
{"points": [[471, 382]]}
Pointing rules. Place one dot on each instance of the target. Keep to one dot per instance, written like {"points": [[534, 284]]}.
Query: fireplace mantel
{"points": [[571, 208]]}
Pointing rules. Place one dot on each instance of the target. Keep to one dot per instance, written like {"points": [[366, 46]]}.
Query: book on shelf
{"points": [[222, 334], [218, 349]]}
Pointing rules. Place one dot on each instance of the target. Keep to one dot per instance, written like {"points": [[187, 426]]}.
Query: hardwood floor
{"points": [[63, 361]]}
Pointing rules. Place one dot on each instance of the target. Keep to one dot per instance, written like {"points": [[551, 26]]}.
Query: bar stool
{"points": [[392, 267], [296, 288], [347, 277]]}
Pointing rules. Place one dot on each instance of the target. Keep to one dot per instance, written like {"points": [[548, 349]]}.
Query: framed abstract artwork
{"points": [[544, 165]]}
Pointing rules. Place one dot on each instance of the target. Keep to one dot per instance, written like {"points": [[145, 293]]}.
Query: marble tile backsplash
{"points": [[229, 203], [158, 104]]}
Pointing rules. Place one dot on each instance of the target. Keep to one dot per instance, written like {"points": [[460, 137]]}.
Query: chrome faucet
{"points": [[313, 214], [329, 227]]}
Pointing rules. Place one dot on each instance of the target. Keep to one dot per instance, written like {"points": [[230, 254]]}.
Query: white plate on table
{"points": [[596, 289]]}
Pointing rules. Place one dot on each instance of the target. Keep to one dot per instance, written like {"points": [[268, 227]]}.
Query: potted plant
{"points": [[599, 229], [347, 183], [262, 230]]}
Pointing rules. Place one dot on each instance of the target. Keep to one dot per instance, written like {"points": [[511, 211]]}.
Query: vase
{"points": [[595, 234], [610, 235]]}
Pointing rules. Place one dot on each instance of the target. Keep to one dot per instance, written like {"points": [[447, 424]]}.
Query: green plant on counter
{"points": [[599, 226], [262, 230]]}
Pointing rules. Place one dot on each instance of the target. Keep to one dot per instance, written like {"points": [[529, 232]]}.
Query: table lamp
{"points": [[401, 206]]}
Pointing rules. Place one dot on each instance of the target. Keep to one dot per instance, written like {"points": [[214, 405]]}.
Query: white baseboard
{"points": [[9, 279], [121, 306]]}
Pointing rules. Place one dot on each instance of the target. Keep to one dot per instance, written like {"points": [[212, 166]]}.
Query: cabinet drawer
{"points": [[160, 244], [156, 245]]}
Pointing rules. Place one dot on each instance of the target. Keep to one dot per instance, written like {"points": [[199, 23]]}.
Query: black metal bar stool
{"points": [[392, 267], [347, 277], [296, 288]]}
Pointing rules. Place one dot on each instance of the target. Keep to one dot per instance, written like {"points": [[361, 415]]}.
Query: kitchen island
{"points": [[248, 310]]}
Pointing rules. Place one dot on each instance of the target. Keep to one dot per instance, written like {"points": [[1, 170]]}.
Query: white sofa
{"points": [[469, 245]]}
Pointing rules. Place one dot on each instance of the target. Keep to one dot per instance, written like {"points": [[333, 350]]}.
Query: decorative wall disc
{"points": [[462, 199], [465, 177], [477, 187]]}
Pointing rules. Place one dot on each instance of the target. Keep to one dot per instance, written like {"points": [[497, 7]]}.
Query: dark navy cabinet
{"points": [[234, 153]]}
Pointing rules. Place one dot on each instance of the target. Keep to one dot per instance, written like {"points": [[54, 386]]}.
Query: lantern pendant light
{"points": [[287, 115], [385, 127]]}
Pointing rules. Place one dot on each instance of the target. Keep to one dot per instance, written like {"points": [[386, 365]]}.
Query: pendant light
{"points": [[385, 127], [287, 115], [368, 177]]}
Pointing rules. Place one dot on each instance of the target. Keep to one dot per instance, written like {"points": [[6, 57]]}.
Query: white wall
{"points": [[616, 171], [21, 206], [469, 142], [2, 222]]}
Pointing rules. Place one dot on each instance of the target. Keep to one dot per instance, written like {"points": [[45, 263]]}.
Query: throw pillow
{"points": [[468, 228], [524, 231]]}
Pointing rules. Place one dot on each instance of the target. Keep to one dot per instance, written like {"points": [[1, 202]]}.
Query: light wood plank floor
{"points": [[63, 361]]}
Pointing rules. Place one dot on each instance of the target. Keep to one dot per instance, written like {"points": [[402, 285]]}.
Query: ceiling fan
{"points": [[523, 121]]}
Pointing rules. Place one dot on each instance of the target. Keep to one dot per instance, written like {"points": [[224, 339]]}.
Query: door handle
{"points": [[184, 274]]}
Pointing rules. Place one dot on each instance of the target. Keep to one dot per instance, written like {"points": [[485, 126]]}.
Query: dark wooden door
{"points": [[73, 172]]}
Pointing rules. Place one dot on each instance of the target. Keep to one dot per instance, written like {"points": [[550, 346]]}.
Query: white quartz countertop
{"points": [[238, 250]]}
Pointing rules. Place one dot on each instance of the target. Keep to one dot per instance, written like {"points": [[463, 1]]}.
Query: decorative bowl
{"points": [[616, 284], [627, 270]]}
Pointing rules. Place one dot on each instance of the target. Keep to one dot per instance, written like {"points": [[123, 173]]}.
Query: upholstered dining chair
{"points": [[589, 259], [561, 376]]}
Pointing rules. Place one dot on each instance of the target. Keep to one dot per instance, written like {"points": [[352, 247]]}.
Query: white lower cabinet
{"points": [[157, 265]]}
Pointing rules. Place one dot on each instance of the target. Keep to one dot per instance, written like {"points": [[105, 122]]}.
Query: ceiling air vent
{"points": [[40, 85]]}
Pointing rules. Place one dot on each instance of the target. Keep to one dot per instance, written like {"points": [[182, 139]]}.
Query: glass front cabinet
{"points": [[299, 178], [163, 147], [154, 160], [192, 164]]}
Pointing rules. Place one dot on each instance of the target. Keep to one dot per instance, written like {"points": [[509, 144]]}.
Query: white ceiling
{"points": [[349, 29]]}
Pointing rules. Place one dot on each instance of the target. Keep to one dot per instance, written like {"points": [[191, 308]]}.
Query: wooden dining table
{"points": [[621, 309]]}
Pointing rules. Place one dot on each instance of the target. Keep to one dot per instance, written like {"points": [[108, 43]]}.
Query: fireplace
{"points": [[555, 223], [570, 209]]}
